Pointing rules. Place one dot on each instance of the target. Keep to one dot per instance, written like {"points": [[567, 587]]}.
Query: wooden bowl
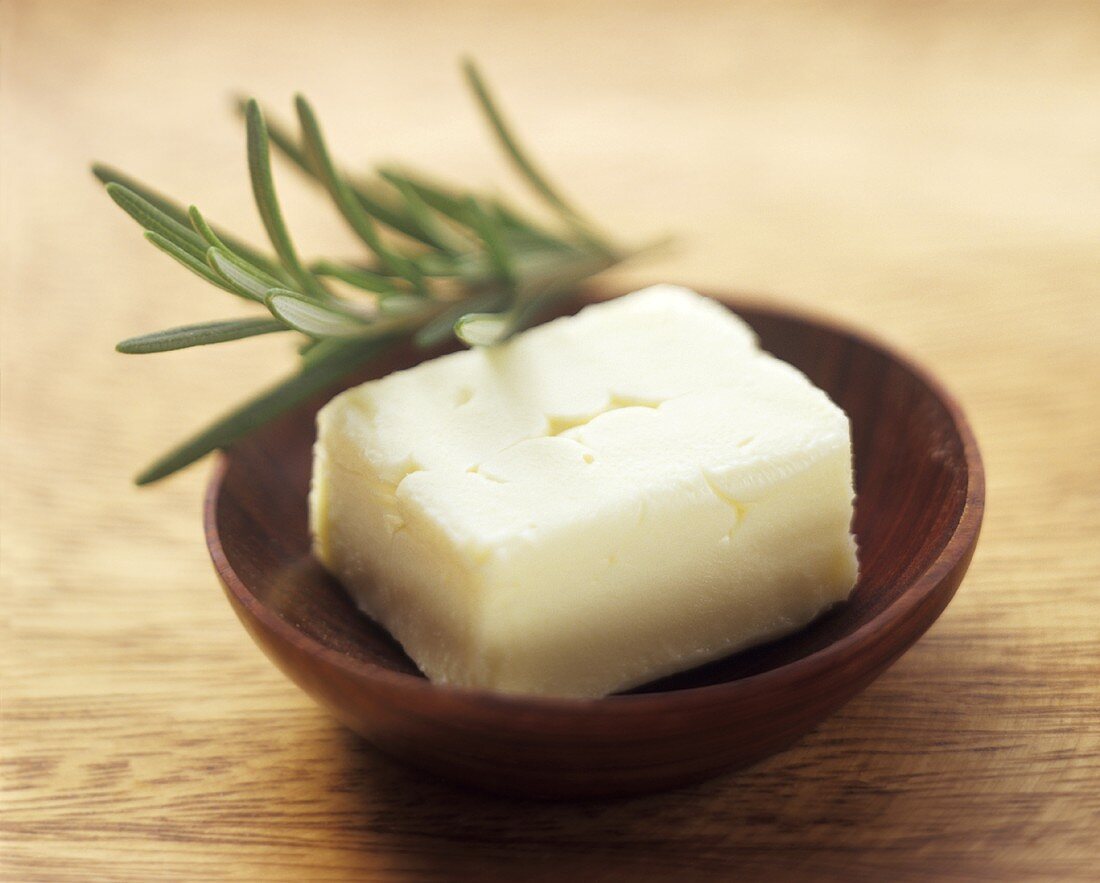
{"points": [[920, 494]]}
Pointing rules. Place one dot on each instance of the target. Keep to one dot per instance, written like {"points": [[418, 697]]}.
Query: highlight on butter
{"points": [[601, 501]]}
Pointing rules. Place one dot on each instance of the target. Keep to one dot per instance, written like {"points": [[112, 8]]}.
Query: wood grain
{"points": [[925, 171]]}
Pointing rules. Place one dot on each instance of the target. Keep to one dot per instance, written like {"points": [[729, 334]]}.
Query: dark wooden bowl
{"points": [[920, 492]]}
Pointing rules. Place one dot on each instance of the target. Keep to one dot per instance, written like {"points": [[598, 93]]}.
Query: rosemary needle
{"points": [[440, 261]]}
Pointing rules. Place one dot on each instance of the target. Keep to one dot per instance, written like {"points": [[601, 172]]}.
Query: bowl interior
{"points": [[911, 485]]}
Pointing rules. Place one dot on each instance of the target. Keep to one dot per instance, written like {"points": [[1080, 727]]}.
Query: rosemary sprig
{"points": [[440, 261]]}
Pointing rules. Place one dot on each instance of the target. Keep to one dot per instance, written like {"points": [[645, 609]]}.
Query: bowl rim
{"points": [[960, 543]]}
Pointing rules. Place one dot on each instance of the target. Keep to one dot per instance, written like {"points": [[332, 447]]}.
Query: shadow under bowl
{"points": [[920, 496]]}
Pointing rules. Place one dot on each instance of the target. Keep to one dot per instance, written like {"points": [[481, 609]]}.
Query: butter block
{"points": [[604, 500]]}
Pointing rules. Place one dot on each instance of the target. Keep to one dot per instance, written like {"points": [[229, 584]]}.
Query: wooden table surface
{"points": [[929, 172]]}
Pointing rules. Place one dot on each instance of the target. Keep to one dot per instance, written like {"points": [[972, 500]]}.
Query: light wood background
{"points": [[930, 172]]}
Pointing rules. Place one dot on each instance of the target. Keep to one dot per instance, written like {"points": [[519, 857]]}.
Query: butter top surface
{"points": [[456, 411], [497, 446]]}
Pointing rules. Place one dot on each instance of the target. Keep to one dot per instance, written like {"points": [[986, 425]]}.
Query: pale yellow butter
{"points": [[604, 500]]}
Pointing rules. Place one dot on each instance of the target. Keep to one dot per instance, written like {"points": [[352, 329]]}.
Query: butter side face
{"points": [[604, 500]]}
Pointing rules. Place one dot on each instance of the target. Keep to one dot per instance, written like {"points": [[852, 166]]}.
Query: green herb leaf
{"points": [[357, 276], [198, 223], [434, 232], [372, 202], [322, 372], [315, 318], [247, 280], [440, 327], [484, 329], [345, 200], [445, 200], [263, 191], [398, 304], [488, 228], [199, 268], [452, 204], [156, 221], [176, 212], [523, 163], [468, 265], [199, 335]]}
